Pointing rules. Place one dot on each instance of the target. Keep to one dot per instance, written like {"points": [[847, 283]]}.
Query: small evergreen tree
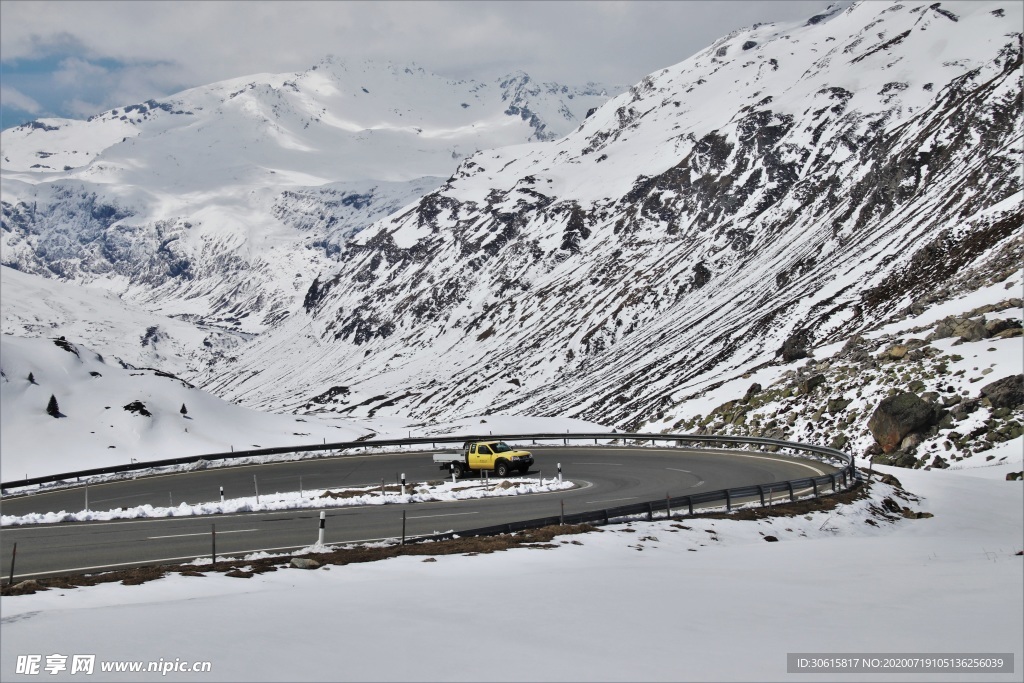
{"points": [[184, 410], [51, 408]]}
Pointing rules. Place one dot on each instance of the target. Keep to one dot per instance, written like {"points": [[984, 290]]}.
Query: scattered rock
{"points": [[811, 383], [970, 330], [896, 352], [304, 563], [1005, 393], [1010, 476], [795, 347], [771, 539]]}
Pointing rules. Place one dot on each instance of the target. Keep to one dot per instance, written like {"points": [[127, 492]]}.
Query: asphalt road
{"points": [[606, 477]]}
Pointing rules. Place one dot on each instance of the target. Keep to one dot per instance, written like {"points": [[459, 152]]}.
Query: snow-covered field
{"points": [[701, 599]]}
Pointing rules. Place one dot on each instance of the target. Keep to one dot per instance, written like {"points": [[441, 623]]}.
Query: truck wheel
{"points": [[502, 468], [457, 470]]}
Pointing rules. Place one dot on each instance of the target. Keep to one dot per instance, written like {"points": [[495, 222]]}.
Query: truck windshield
{"points": [[501, 447]]}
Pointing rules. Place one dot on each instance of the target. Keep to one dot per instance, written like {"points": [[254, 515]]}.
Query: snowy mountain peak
{"points": [[784, 188], [222, 202]]}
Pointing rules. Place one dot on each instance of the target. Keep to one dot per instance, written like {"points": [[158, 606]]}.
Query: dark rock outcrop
{"points": [[1005, 393], [899, 415]]}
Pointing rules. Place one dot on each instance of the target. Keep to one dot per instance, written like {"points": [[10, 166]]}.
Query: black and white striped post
{"points": [[222, 494], [403, 484], [559, 473], [323, 523]]}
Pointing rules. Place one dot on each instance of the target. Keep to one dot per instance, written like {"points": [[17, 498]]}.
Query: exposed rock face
{"points": [[1005, 393], [610, 290], [899, 415]]}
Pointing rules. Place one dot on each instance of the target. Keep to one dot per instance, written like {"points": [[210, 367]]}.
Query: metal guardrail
{"points": [[680, 439], [830, 483]]}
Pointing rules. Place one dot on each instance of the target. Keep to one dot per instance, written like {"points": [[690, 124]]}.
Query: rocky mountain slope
{"points": [[219, 205], [787, 188]]}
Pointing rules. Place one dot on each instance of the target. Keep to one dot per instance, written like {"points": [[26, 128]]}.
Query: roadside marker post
{"points": [[14, 555], [403, 490], [222, 494], [403, 527], [86, 496], [301, 491], [559, 473], [323, 522], [213, 545], [256, 487]]}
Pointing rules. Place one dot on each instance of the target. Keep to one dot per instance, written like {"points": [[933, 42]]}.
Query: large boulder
{"points": [[899, 415], [970, 330], [1007, 392]]}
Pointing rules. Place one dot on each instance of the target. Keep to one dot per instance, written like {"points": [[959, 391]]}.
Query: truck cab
{"points": [[496, 456]]}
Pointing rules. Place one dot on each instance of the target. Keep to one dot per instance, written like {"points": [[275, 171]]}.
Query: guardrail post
{"points": [[403, 527], [650, 511], [606, 516], [814, 485], [760, 492], [833, 477], [213, 545], [792, 496], [728, 501], [668, 507], [561, 515], [689, 505]]}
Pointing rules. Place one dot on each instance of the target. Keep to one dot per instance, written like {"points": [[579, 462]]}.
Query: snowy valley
{"points": [[736, 219]]}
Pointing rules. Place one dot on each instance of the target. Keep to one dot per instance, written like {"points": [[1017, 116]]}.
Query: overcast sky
{"points": [[75, 59]]}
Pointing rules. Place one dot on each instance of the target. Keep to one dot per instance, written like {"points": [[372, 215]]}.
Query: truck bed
{"points": [[449, 457]]}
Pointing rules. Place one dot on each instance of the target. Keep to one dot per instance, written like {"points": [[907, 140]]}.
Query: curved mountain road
{"points": [[606, 477]]}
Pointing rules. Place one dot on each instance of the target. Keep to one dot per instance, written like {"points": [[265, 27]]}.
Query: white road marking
{"points": [[611, 500], [609, 464], [450, 514], [202, 533], [676, 469], [785, 460]]}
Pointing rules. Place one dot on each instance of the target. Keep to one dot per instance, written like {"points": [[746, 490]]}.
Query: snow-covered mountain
{"points": [[105, 415], [787, 187], [222, 203]]}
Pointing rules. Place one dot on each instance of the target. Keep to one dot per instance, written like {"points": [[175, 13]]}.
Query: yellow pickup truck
{"points": [[496, 456]]}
